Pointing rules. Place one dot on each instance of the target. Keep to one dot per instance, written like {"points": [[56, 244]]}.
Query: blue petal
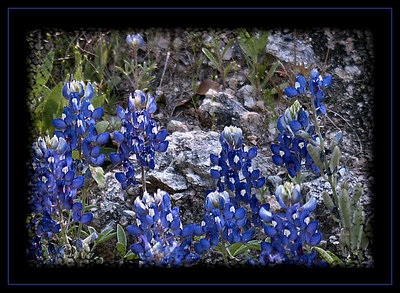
{"points": [[260, 182], [162, 146], [115, 158], [99, 160], [78, 182], [281, 125], [312, 227], [151, 106], [89, 91], [302, 83], [327, 81], [98, 113], [240, 213], [77, 206], [59, 123], [187, 230], [134, 230], [311, 204], [269, 230], [215, 174], [265, 214], [291, 92], [86, 218], [295, 125], [103, 138], [205, 244], [255, 174], [121, 177], [316, 239], [62, 146], [214, 159], [161, 135], [278, 160], [137, 248], [120, 112], [252, 153], [118, 136], [95, 151], [65, 91]]}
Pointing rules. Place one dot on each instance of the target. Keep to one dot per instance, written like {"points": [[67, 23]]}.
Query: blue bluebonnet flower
{"points": [[316, 84], [288, 194], [223, 220], [296, 132], [290, 233], [135, 40], [298, 88], [139, 136], [55, 176], [233, 160], [77, 124], [54, 185], [157, 229]]}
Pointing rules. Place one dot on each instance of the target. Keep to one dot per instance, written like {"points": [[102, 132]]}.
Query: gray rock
{"points": [[282, 46]]}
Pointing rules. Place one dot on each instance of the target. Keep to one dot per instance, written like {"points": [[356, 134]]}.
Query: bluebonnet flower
{"points": [[233, 160], [316, 84], [139, 136], [290, 233], [157, 229], [296, 132], [77, 124], [222, 220], [298, 88], [135, 40]]}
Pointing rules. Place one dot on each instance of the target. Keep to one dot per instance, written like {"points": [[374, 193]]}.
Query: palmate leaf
{"points": [[43, 74], [49, 109]]}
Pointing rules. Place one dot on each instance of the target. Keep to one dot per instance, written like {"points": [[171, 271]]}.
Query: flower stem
{"points": [[325, 162], [62, 221], [143, 180], [224, 252]]}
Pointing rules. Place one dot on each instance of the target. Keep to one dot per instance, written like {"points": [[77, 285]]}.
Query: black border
{"points": [[23, 20]]}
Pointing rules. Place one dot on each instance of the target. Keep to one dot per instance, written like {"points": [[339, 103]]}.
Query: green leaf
{"points": [[98, 175], [98, 101], [345, 209], [89, 207], [106, 237], [130, 255], [101, 126], [43, 74], [107, 150], [121, 235], [51, 105], [329, 256], [121, 249], [356, 230], [242, 247], [230, 43], [210, 57], [227, 69]]}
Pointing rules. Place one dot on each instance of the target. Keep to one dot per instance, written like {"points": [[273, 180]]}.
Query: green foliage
{"points": [[51, 107], [42, 75], [122, 245], [216, 55], [331, 258]]}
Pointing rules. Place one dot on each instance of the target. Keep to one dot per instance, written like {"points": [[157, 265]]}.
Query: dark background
{"points": [[20, 21]]}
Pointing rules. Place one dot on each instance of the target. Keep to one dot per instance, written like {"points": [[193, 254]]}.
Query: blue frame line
{"points": [[194, 8]]}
